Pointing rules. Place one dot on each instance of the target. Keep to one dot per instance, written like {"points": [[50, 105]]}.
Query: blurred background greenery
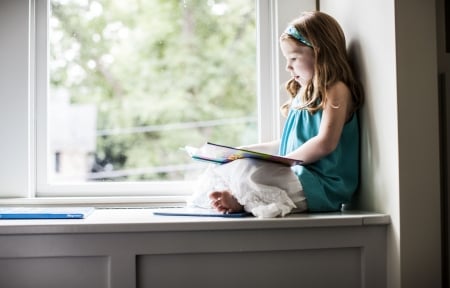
{"points": [[158, 75]]}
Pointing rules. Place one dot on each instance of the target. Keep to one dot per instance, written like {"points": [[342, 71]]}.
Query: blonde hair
{"points": [[331, 62]]}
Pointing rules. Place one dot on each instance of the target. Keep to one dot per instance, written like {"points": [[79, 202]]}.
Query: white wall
{"points": [[14, 86], [395, 47]]}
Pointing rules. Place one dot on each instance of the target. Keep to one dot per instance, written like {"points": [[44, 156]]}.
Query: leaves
{"points": [[154, 63]]}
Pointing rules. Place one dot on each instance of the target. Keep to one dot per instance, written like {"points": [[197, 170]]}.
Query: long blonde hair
{"points": [[331, 62]]}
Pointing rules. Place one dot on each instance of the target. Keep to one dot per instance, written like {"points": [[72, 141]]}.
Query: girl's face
{"points": [[299, 60]]}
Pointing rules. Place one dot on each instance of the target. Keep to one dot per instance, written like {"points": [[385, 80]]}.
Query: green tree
{"points": [[154, 64]]}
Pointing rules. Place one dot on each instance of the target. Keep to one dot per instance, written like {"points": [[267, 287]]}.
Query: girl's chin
{"points": [[299, 80]]}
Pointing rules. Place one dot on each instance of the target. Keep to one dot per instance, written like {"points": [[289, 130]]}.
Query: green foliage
{"points": [[156, 63]]}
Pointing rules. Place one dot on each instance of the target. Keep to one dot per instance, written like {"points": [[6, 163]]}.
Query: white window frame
{"points": [[23, 86]]}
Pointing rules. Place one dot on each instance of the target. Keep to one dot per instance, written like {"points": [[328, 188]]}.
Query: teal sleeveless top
{"points": [[332, 180]]}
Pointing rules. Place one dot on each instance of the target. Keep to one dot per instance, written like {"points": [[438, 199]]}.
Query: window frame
{"points": [[27, 138]]}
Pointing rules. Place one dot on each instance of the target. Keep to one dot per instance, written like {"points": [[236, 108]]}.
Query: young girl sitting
{"points": [[321, 129]]}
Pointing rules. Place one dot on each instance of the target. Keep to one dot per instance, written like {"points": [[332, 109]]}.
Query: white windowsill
{"points": [[142, 220]]}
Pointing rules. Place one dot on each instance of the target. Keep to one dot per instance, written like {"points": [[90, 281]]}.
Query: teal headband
{"points": [[292, 31]]}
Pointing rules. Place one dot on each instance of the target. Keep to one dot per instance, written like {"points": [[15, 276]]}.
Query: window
{"points": [[132, 82], [110, 99]]}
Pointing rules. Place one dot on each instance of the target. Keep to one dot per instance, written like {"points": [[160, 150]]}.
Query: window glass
{"points": [[131, 82]]}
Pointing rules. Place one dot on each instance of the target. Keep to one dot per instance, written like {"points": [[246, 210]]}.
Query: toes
{"points": [[216, 200], [215, 195]]}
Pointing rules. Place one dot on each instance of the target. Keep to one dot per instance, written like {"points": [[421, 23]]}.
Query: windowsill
{"points": [[133, 220]]}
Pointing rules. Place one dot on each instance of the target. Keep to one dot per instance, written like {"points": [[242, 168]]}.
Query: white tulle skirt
{"points": [[263, 188]]}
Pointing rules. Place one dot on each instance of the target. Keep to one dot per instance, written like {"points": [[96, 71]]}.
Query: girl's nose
{"points": [[288, 67]]}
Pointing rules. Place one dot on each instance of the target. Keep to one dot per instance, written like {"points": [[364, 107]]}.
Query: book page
{"points": [[223, 154]]}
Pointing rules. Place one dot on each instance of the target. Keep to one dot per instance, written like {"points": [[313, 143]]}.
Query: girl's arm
{"points": [[335, 114], [266, 147]]}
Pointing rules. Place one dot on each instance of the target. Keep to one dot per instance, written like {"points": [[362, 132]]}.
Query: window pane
{"points": [[133, 81]]}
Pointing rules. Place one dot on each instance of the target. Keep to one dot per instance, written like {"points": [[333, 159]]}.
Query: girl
{"points": [[321, 129]]}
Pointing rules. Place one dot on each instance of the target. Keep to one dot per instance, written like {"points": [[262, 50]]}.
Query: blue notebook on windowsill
{"points": [[198, 212], [8, 213]]}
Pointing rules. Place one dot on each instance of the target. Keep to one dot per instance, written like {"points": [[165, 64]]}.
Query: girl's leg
{"points": [[225, 202], [262, 188]]}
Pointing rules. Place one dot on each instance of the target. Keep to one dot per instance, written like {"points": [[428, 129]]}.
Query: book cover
{"points": [[198, 212], [222, 154], [45, 212]]}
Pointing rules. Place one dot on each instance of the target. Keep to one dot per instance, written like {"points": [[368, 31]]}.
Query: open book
{"points": [[222, 154]]}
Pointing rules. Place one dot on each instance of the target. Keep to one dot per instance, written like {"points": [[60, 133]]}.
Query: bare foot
{"points": [[224, 201]]}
